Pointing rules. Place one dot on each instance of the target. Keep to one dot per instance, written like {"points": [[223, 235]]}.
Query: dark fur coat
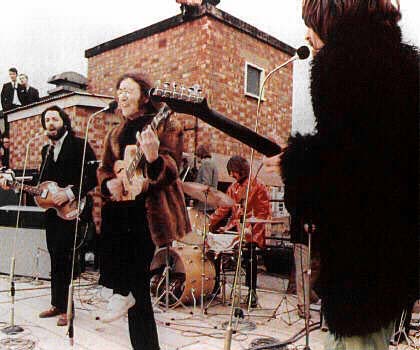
{"points": [[357, 176]]}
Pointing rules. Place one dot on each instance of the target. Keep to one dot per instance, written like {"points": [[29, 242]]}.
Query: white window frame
{"points": [[262, 76]]}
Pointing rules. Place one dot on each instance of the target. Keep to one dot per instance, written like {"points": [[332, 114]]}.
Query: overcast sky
{"points": [[45, 37]]}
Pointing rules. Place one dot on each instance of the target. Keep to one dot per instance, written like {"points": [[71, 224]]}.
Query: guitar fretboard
{"points": [[26, 188], [161, 115]]}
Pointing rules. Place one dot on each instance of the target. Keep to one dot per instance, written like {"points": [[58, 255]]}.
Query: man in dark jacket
{"points": [[26, 93], [9, 92], [358, 168], [61, 162]]}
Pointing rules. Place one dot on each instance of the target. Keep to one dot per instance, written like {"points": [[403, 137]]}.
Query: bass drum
{"points": [[185, 275]]}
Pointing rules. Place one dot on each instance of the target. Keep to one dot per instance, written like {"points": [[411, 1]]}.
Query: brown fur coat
{"points": [[165, 205]]}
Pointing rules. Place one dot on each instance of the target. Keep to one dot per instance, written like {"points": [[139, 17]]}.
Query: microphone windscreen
{"points": [[112, 106], [303, 52]]}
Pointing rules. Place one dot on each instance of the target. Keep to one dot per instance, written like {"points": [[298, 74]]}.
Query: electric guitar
{"points": [[191, 101], [43, 196], [128, 169]]}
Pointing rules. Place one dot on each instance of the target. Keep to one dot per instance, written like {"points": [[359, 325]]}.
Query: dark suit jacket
{"points": [[66, 171], [29, 96], [7, 95]]}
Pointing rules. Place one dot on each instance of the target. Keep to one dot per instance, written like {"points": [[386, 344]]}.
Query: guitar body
{"points": [[134, 186], [67, 211]]}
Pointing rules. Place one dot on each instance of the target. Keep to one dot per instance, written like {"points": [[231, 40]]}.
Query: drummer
{"points": [[258, 206]]}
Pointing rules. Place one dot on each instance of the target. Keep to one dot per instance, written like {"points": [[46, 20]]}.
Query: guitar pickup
{"points": [[44, 193]]}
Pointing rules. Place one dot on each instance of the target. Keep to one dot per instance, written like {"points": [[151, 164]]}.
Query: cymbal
{"points": [[200, 192]]}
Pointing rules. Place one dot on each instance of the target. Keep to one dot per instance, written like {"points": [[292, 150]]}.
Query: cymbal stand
{"points": [[401, 333], [167, 292], [284, 300], [309, 228], [203, 251]]}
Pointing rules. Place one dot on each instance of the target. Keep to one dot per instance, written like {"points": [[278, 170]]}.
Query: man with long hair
{"points": [[359, 168], [133, 228]]}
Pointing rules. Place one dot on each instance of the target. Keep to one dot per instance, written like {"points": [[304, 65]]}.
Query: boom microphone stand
{"points": [[12, 328], [301, 53], [110, 107]]}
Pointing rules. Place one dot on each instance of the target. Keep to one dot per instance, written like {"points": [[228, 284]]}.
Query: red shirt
{"points": [[258, 206]]}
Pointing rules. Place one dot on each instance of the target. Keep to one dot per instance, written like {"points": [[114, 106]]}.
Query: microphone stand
{"points": [[70, 316], [302, 53], [12, 328]]}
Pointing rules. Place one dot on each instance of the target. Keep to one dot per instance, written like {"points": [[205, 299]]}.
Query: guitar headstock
{"points": [[178, 97]]}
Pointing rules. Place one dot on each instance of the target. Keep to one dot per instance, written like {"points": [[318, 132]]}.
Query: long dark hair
{"points": [[145, 85], [239, 165], [323, 15]]}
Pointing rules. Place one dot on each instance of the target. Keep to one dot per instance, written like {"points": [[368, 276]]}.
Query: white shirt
{"points": [[57, 145], [15, 95]]}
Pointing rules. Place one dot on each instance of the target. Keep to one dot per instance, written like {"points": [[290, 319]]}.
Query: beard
{"points": [[58, 135]]}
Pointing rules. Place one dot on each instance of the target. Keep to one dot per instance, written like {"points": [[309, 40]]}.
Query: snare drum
{"points": [[222, 242]]}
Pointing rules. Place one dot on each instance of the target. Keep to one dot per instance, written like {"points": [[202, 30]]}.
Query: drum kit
{"points": [[186, 271]]}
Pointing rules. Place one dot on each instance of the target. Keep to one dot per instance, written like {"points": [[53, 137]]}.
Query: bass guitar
{"points": [[190, 101], [43, 196]]}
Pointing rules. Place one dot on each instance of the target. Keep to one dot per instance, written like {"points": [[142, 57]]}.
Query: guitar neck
{"points": [[26, 188], [161, 115], [196, 105], [239, 132]]}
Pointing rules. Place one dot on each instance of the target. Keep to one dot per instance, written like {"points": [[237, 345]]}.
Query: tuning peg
{"points": [[158, 90], [182, 90]]}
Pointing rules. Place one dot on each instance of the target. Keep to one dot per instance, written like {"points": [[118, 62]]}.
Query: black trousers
{"points": [[60, 242], [128, 251], [248, 253]]}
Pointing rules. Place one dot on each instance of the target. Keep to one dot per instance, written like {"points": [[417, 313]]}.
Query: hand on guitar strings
{"points": [[59, 198], [149, 144]]}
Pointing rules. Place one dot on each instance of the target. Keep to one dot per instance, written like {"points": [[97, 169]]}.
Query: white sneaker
{"points": [[117, 307]]}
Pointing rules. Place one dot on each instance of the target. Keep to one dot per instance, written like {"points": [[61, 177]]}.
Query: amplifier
{"points": [[278, 259]]}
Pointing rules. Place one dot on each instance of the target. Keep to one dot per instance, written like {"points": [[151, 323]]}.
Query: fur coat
{"points": [[165, 204], [357, 176]]}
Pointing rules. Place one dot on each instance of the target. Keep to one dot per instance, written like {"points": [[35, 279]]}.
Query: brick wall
{"points": [[212, 54]]}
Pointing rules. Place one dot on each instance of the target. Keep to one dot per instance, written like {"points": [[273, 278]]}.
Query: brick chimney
{"points": [[193, 8]]}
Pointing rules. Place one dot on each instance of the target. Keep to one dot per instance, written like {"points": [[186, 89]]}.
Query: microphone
{"points": [[112, 106], [303, 52], [12, 328]]}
